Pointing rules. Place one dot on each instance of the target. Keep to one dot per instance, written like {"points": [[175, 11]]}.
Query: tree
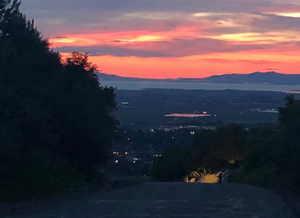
{"points": [[173, 166], [289, 118], [214, 150], [52, 113], [87, 114], [274, 156]]}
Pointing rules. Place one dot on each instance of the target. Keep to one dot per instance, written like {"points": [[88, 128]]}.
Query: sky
{"points": [[174, 38]]}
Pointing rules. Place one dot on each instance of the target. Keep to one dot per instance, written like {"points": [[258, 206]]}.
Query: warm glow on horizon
{"points": [[186, 43], [227, 63]]}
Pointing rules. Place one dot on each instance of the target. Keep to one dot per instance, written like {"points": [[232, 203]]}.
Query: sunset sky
{"points": [[174, 38]]}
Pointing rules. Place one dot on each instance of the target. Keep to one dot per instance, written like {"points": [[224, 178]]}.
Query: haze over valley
{"points": [[259, 81]]}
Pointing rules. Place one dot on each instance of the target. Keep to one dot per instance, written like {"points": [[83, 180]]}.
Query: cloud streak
{"points": [[164, 31], [174, 48]]}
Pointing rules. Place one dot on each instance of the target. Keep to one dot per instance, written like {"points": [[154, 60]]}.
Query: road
{"points": [[164, 200]]}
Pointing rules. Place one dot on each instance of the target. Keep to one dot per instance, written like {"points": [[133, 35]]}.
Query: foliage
{"points": [[173, 166], [49, 108], [217, 148], [267, 157], [274, 158], [212, 150]]}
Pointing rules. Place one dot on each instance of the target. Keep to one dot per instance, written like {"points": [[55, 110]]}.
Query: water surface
{"points": [[139, 85]]}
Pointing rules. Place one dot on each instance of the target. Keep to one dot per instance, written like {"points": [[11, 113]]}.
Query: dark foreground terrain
{"points": [[147, 108], [164, 200]]}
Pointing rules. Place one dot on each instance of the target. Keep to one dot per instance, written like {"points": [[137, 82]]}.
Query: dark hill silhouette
{"points": [[256, 77]]}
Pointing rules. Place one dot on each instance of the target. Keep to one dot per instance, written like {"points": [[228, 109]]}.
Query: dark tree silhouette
{"points": [[273, 159], [289, 118], [53, 114], [88, 113], [213, 150]]}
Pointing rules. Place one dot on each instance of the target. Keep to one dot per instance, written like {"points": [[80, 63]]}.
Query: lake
{"points": [[139, 85]]}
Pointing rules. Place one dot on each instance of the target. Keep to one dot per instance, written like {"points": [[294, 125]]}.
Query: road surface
{"points": [[164, 200]]}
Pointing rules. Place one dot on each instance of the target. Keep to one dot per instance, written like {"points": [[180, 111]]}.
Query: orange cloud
{"points": [[71, 40], [204, 44], [196, 66], [125, 37], [258, 38]]}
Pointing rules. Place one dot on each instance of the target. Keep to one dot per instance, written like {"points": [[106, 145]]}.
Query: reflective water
{"points": [[138, 85]]}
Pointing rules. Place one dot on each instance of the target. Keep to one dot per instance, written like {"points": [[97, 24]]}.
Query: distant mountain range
{"points": [[253, 78]]}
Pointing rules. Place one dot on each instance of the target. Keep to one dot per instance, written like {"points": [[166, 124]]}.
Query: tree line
{"points": [[265, 156], [56, 120]]}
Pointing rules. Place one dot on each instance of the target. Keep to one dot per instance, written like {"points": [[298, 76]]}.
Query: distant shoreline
{"points": [[140, 85]]}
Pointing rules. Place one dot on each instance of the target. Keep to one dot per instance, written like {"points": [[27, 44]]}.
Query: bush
{"points": [[273, 159], [212, 150], [173, 166]]}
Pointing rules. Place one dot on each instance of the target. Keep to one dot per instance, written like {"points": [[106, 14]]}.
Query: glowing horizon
{"points": [[167, 40]]}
